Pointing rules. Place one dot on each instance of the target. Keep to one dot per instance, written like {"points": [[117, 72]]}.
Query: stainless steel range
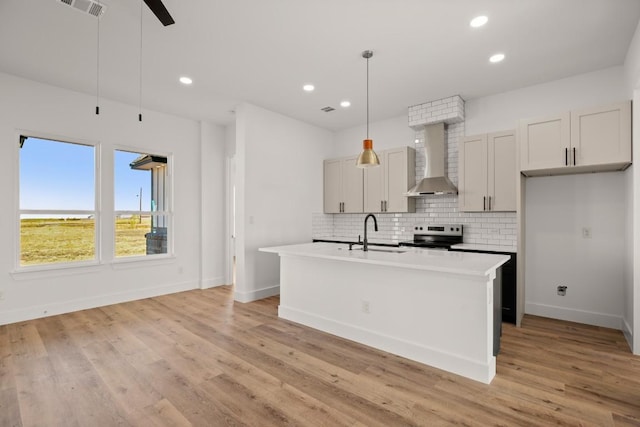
{"points": [[435, 236]]}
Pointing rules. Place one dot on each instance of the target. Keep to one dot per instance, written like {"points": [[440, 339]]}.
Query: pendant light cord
{"points": [[140, 88], [98, 67], [367, 98]]}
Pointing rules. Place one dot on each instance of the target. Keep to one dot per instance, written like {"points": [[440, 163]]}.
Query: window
{"points": [[142, 200], [57, 202]]}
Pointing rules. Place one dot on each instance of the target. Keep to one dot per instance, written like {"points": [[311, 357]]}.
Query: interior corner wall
{"points": [[279, 184], [558, 209], [30, 107], [632, 283], [213, 216], [632, 291]]}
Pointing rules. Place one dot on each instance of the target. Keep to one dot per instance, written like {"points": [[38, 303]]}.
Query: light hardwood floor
{"points": [[196, 358]]}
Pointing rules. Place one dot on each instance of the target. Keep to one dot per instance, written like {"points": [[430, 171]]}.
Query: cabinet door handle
{"points": [[489, 202], [484, 203], [566, 157], [381, 206], [574, 156], [385, 206]]}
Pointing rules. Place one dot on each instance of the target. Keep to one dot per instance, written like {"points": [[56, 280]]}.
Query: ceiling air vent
{"points": [[90, 7], [328, 109]]}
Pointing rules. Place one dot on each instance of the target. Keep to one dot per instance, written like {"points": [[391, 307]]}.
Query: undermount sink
{"points": [[393, 251], [390, 250], [378, 249]]}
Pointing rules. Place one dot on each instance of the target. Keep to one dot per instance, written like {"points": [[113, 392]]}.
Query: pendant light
{"points": [[368, 158]]}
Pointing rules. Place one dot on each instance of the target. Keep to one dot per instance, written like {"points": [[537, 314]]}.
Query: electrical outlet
{"points": [[562, 290], [366, 307], [586, 232]]}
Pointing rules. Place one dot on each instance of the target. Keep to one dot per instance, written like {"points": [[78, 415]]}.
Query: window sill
{"points": [[93, 267]]}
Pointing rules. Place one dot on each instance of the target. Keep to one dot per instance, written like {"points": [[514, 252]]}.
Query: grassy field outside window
{"points": [[56, 240]]}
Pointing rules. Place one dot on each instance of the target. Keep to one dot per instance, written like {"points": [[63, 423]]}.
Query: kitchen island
{"points": [[434, 307]]}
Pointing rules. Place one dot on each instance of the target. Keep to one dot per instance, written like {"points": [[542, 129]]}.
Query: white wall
{"points": [[504, 110], [632, 289], [557, 210], [279, 181], [27, 106], [213, 195], [632, 283]]}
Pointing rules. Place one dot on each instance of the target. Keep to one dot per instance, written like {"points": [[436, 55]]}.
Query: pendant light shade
{"points": [[368, 158]]}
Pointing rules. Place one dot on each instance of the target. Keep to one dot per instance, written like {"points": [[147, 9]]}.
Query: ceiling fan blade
{"points": [[160, 11]]}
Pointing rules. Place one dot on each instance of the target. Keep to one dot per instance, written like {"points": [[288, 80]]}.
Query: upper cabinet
{"points": [[487, 172], [348, 189], [385, 186], [589, 140], [343, 186]]}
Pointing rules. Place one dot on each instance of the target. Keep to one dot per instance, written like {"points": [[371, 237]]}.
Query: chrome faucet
{"points": [[365, 243]]}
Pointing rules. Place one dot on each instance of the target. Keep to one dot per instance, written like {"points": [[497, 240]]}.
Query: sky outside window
{"points": [[128, 183], [61, 176]]}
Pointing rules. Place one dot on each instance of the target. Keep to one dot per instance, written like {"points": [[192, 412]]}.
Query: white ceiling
{"points": [[263, 51]]}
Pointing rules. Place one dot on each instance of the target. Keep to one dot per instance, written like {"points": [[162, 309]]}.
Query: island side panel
{"points": [[440, 319]]}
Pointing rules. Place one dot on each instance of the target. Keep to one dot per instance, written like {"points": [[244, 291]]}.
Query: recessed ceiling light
{"points": [[308, 88], [478, 21], [417, 141], [497, 57], [185, 80], [345, 104]]}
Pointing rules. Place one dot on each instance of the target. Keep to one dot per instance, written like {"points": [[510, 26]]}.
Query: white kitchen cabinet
{"points": [[343, 183], [601, 135], [487, 172], [385, 186], [544, 143], [589, 140]]}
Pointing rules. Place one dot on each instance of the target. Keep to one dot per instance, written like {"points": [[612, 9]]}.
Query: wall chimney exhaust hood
{"points": [[434, 181]]}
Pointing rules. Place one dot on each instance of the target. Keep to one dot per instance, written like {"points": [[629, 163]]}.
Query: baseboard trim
{"points": [[573, 315], [483, 372], [628, 333], [46, 310], [213, 282], [256, 294]]}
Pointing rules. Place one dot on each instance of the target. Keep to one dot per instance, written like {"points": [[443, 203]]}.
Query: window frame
{"points": [[97, 216], [168, 212]]}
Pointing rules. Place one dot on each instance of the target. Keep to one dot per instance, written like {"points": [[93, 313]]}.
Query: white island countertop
{"points": [[465, 263]]}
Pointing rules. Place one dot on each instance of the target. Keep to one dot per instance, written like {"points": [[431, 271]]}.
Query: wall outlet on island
{"points": [[366, 307]]}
